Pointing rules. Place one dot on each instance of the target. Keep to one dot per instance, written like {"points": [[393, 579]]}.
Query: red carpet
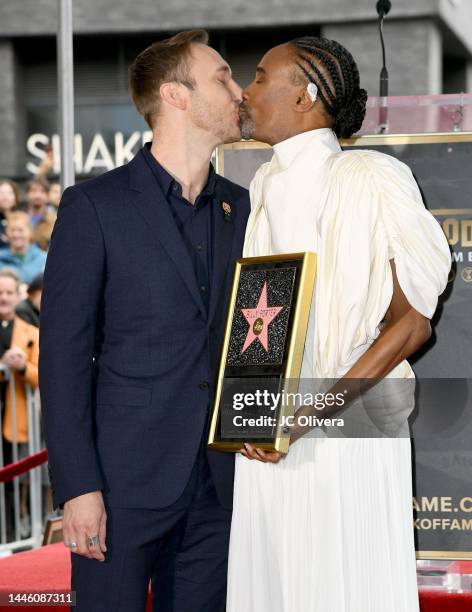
{"points": [[432, 601], [48, 569]]}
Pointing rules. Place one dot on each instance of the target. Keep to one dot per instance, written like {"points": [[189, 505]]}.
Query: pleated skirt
{"points": [[328, 529]]}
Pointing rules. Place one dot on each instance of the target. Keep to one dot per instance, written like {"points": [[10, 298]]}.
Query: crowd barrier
{"points": [[25, 474]]}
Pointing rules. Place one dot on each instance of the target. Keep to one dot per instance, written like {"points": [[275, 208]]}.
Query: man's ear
{"points": [[303, 101], [174, 94]]}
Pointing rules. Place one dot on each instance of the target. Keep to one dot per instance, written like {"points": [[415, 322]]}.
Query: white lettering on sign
{"points": [[125, 151], [100, 155]]}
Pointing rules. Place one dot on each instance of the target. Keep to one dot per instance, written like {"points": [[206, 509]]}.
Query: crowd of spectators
{"points": [[27, 219]]}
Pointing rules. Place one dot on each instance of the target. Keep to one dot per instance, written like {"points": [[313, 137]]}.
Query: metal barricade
{"points": [[34, 476]]}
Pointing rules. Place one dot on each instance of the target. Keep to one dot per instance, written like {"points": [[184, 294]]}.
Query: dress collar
{"points": [[286, 151]]}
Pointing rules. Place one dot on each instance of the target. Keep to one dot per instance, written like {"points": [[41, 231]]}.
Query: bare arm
{"points": [[404, 331]]}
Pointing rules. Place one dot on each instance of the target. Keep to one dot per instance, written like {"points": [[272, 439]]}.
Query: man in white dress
{"points": [[328, 527]]}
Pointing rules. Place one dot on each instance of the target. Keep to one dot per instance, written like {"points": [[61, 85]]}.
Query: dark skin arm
{"points": [[403, 331]]}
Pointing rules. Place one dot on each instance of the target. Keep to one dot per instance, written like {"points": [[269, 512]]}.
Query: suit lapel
{"points": [[223, 231], [152, 205]]}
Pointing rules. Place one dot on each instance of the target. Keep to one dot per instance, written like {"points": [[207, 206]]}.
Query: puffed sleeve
{"points": [[371, 212], [415, 239]]}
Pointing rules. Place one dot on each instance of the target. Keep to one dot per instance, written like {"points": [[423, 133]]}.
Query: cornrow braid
{"points": [[321, 91], [337, 84], [340, 92]]}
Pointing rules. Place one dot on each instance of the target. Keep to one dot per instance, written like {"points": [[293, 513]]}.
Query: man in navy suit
{"points": [[135, 292]]}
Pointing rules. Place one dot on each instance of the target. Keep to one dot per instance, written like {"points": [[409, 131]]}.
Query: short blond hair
{"points": [[19, 215], [163, 62], [10, 273]]}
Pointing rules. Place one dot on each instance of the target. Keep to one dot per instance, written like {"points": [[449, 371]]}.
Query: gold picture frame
{"points": [[295, 339]]}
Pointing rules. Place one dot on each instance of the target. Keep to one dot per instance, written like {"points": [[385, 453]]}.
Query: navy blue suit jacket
{"points": [[128, 352]]}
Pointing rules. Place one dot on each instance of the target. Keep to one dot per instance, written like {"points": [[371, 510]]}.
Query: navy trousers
{"points": [[181, 549]]}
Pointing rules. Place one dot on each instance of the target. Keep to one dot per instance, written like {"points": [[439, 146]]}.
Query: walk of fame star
{"points": [[259, 319]]}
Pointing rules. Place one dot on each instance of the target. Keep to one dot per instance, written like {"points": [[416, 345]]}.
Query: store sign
{"points": [[94, 158]]}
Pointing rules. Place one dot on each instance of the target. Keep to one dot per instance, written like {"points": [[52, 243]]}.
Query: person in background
{"points": [[9, 200], [45, 169], [37, 195], [25, 258], [19, 350], [55, 192], [28, 309], [42, 219]]}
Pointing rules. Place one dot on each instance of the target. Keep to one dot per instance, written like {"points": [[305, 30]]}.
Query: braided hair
{"points": [[337, 81]]}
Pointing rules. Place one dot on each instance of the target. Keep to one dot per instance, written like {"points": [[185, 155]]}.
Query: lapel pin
{"points": [[227, 211]]}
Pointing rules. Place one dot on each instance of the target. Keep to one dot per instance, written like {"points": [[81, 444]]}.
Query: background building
{"points": [[429, 47]]}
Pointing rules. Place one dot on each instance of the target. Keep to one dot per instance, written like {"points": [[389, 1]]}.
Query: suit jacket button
{"points": [[203, 385]]}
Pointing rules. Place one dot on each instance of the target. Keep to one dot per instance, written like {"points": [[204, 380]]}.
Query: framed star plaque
{"points": [[262, 351]]}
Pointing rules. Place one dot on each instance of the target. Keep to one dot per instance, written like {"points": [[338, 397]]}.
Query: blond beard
{"points": [[211, 120]]}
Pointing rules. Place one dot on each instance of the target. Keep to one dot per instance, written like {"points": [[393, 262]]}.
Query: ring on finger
{"points": [[92, 541]]}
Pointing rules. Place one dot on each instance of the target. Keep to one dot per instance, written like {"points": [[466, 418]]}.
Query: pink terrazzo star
{"points": [[259, 319]]}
